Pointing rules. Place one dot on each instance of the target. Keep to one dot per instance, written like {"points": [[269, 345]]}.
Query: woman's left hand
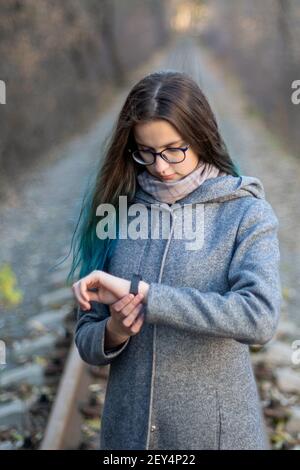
{"points": [[108, 289]]}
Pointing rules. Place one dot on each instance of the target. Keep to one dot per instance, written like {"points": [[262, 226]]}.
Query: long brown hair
{"points": [[166, 94]]}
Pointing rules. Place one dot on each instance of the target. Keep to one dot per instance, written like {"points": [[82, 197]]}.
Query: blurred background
{"points": [[65, 70]]}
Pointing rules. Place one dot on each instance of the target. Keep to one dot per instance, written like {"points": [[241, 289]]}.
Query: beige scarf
{"points": [[172, 191]]}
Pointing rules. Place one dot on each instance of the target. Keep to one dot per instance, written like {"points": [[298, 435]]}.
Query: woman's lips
{"points": [[168, 177]]}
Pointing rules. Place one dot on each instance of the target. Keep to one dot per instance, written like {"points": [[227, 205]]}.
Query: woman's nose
{"points": [[160, 164]]}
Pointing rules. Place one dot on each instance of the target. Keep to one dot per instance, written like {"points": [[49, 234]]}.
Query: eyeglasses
{"points": [[170, 155]]}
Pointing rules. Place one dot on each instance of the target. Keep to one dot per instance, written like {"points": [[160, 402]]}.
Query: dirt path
{"points": [[36, 230]]}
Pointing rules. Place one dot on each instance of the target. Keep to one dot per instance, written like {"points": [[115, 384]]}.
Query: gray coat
{"points": [[185, 381]]}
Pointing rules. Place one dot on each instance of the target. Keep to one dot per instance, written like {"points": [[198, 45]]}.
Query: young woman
{"points": [[178, 348]]}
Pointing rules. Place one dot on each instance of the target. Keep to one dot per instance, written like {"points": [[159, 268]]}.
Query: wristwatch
{"points": [[134, 286]]}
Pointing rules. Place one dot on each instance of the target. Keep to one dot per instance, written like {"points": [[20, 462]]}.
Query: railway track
{"points": [[49, 397], [74, 420]]}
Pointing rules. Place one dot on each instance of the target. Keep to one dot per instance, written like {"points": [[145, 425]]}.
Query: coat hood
{"points": [[218, 189]]}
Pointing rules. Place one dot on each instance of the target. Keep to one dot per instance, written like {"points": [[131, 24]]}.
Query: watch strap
{"points": [[135, 279]]}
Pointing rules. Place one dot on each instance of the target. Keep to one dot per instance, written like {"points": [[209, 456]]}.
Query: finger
{"points": [[130, 319], [83, 304], [135, 327], [93, 279], [94, 296], [120, 304], [128, 309], [83, 289]]}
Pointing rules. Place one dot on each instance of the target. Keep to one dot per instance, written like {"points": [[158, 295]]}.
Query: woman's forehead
{"points": [[156, 134]]}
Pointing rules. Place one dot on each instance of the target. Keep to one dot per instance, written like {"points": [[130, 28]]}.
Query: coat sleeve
{"points": [[90, 335], [249, 311]]}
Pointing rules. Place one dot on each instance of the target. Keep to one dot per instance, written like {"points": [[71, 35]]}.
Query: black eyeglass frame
{"points": [[155, 154]]}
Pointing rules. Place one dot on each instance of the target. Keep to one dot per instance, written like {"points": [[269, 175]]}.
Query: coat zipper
{"points": [[154, 333]]}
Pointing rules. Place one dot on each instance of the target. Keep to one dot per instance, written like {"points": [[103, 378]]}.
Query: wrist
{"points": [[112, 333], [118, 286]]}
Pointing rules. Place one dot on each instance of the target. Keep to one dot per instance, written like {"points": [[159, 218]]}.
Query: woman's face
{"points": [[156, 136]]}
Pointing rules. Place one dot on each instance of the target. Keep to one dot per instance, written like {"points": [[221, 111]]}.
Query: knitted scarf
{"points": [[172, 191]]}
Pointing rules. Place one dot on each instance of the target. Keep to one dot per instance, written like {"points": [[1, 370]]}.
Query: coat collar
{"points": [[218, 189]]}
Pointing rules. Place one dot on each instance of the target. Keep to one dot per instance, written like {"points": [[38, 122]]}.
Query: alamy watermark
{"points": [[295, 357], [295, 96], [2, 352], [2, 92], [185, 225]]}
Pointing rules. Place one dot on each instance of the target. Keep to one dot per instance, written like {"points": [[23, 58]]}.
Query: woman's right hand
{"points": [[126, 317]]}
